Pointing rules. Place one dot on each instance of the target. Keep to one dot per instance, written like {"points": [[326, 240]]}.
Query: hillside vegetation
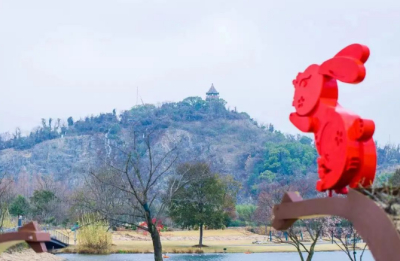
{"points": [[232, 142]]}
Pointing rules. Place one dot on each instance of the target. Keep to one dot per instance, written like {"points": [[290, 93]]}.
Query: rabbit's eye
{"points": [[303, 82]]}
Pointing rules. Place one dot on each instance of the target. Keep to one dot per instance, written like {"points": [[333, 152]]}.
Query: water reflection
{"points": [[319, 256]]}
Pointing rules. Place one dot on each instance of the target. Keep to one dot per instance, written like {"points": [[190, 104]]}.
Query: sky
{"points": [[80, 58]]}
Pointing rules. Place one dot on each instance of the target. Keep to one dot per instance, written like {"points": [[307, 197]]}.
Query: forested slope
{"points": [[230, 141]]}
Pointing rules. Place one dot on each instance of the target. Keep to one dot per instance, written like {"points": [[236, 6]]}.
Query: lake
{"points": [[293, 256]]}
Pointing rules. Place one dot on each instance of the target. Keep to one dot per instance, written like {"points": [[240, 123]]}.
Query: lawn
{"points": [[233, 240]]}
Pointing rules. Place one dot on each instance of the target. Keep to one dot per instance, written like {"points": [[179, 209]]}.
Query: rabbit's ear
{"points": [[348, 65], [344, 69], [357, 51]]}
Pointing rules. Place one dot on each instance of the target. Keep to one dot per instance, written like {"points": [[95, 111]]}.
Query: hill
{"points": [[231, 141]]}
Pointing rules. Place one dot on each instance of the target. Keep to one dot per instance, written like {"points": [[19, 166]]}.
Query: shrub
{"points": [[9, 221], [94, 236], [395, 179]]}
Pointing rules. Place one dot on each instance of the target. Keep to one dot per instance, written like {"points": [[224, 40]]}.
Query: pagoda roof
{"points": [[212, 90]]}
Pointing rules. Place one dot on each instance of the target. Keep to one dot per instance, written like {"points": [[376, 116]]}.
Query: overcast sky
{"points": [[78, 58]]}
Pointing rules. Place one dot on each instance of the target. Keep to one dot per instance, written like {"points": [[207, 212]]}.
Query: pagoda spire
{"points": [[212, 93]]}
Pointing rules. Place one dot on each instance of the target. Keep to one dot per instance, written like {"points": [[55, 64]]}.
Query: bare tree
{"points": [[272, 193], [313, 229], [6, 186], [343, 234], [97, 195], [132, 185], [23, 184]]}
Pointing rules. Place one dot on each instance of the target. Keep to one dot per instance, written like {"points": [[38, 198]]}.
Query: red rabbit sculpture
{"points": [[347, 153]]}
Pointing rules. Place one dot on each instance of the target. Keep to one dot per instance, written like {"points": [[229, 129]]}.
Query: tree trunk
{"points": [[155, 236], [201, 235], [310, 256], [311, 253], [299, 252], [312, 247]]}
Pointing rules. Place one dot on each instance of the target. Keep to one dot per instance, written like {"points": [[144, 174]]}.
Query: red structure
{"points": [[157, 223], [347, 153], [370, 220], [29, 233]]}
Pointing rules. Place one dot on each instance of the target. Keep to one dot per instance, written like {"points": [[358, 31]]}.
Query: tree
{"points": [[395, 179], [245, 213], [5, 196], [19, 206], [206, 200], [271, 128], [70, 121], [43, 203], [314, 229], [196, 102], [305, 140], [271, 194], [263, 213], [289, 158], [134, 174], [285, 156], [58, 207], [343, 234]]}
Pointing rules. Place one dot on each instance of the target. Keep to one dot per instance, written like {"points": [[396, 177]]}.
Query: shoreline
{"points": [[29, 255], [284, 248], [184, 242], [210, 253]]}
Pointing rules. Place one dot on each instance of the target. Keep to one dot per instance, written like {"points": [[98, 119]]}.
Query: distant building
{"points": [[212, 94]]}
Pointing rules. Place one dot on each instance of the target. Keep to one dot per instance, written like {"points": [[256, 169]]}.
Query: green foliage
{"points": [[260, 152], [244, 215], [395, 179], [70, 121], [41, 198], [190, 109], [48, 131], [267, 175], [207, 199], [306, 140], [42, 203], [115, 129], [383, 179], [91, 125], [289, 156], [20, 206]]}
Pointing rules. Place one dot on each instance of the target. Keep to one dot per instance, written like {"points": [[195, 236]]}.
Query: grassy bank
{"points": [[234, 241]]}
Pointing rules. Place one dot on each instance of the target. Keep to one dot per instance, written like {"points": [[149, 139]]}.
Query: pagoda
{"points": [[212, 94]]}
